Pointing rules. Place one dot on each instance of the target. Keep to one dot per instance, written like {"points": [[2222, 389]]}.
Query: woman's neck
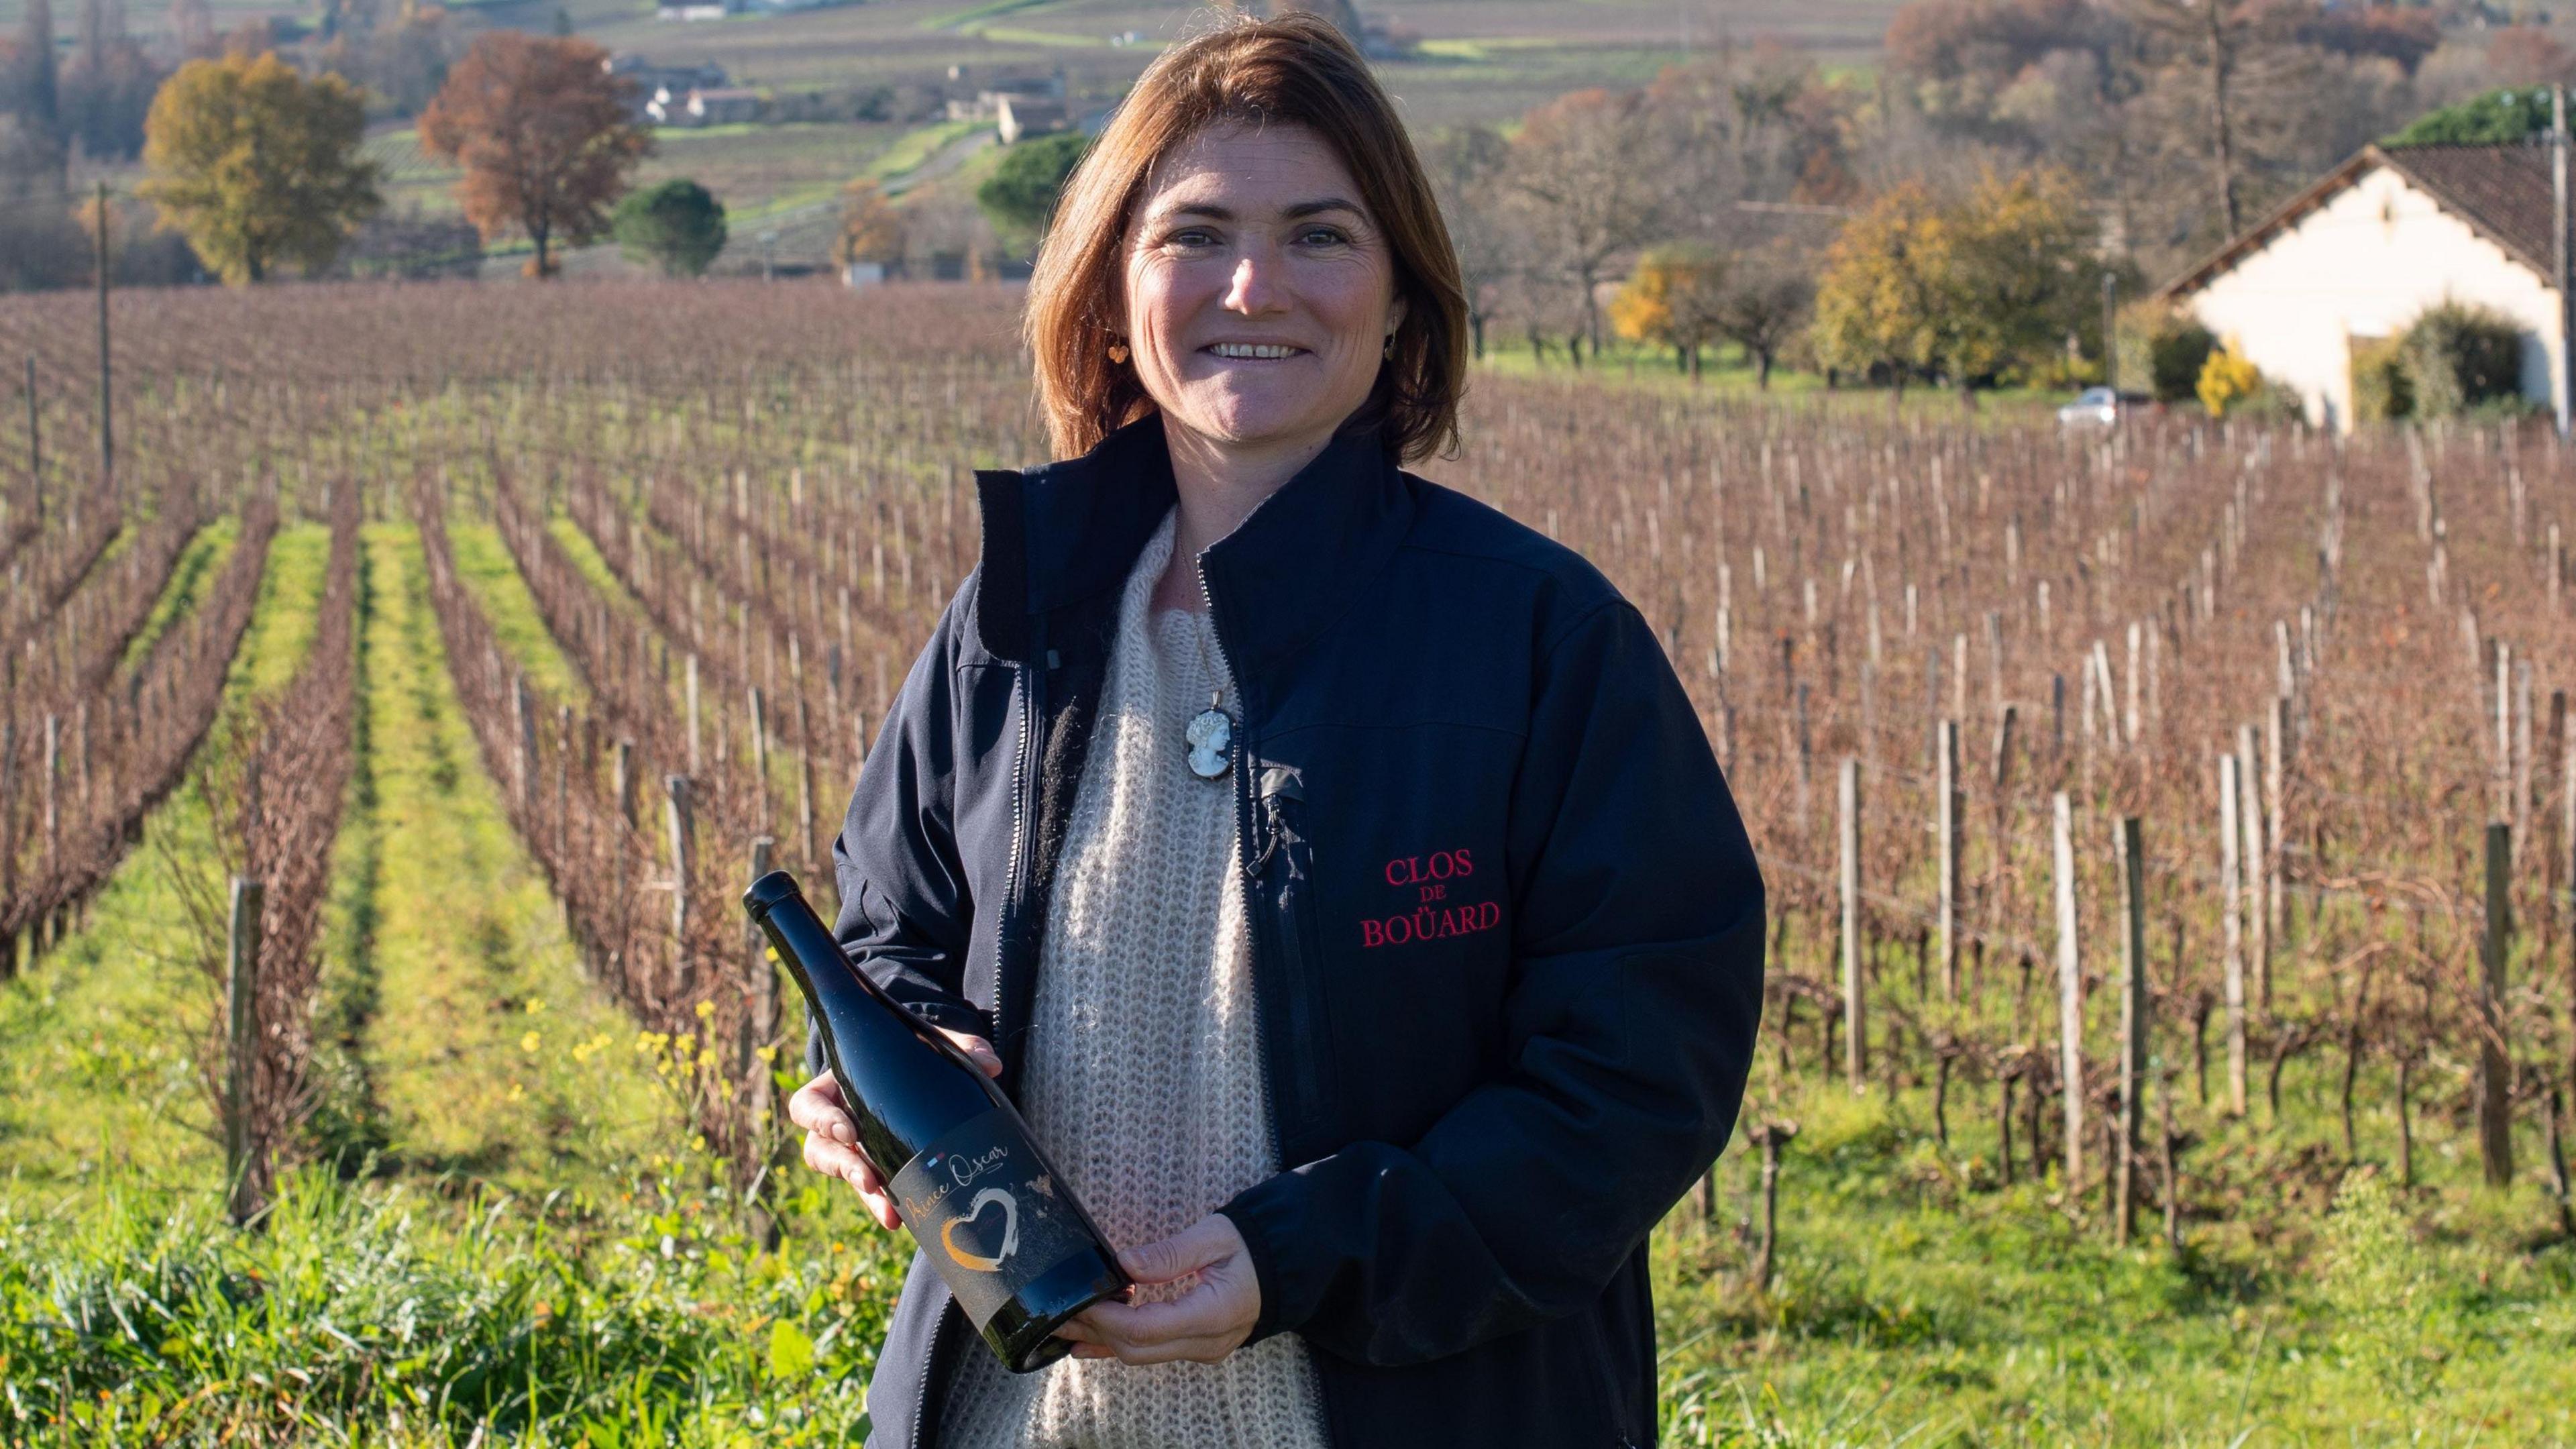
{"points": [[1219, 485]]}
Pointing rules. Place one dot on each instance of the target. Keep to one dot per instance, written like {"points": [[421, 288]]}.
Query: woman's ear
{"points": [[1395, 312]]}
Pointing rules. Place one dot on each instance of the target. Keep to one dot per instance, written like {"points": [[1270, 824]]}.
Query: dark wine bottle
{"points": [[997, 1221]]}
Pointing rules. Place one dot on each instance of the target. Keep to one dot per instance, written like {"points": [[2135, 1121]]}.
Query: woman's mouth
{"points": [[1252, 351]]}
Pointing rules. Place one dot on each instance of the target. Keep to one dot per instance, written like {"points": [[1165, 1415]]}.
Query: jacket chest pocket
{"points": [[1389, 860], [1289, 970]]}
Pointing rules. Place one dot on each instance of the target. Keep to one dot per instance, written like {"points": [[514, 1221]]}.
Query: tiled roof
{"points": [[2502, 192]]}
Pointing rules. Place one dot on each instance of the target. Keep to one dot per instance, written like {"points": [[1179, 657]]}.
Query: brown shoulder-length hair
{"points": [[1293, 69]]}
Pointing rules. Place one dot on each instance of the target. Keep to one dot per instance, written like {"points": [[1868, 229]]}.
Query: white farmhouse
{"points": [[2358, 255]]}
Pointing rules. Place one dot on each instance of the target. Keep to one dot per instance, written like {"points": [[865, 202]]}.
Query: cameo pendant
{"points": [[1211, 740]]}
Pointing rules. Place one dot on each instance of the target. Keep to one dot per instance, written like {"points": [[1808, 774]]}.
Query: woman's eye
{"points": [[1190, 237], [1324, 236]]}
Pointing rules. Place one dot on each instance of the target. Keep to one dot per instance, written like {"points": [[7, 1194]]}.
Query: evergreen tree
{"points": [[677, 226]]}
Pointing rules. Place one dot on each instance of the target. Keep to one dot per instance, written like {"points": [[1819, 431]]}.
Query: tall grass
{"points": [[375, 1314]]}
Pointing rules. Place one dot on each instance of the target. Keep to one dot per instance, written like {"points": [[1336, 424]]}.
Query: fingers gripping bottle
{"points": [[996, 1220]]}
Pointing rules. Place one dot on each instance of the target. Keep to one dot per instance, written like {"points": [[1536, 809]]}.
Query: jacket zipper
{"points": [[1030, 697], [1294, 1097]]}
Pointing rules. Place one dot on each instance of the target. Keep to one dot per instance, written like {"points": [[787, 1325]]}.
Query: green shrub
{"points": [[2392, 1315], [1019, 197], [2499, 117], [2381, 390], [2163, 349], [2458, 356]]}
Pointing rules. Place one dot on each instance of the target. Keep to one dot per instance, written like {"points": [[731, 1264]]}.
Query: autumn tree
{"points": [[1991, 281], [541, 129], [1672, 298], [2022, 277], [1881, 300], [257, 166], [871, 229]]}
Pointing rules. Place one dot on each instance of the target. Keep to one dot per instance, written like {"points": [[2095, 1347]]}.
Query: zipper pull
{"points": [[1279, 784], [1271, 833]]}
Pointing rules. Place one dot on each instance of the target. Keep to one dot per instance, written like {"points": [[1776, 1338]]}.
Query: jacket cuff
{"points": [[943, 1011], [1269, 1215]]}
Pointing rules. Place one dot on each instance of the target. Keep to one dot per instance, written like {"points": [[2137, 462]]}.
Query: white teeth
{"points": [[1252, 349]]}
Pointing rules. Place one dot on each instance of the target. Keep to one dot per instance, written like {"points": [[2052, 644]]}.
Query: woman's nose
{"points": [[1254, 290]]}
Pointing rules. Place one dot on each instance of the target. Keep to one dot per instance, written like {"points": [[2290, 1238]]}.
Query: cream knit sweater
{"points": [[1144, 1074]]}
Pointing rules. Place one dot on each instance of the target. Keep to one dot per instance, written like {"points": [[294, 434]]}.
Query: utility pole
{"points": [[2558, 231], [2111, 336], [106, 417]]}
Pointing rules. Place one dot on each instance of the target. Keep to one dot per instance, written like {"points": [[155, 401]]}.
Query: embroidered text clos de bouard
{"points": [[1431, 876]]}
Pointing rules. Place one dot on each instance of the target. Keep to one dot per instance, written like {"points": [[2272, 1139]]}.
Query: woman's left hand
{"points": [[1204, 1324]]}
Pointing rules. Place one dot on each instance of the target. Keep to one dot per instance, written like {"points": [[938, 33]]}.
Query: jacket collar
{"points": [[1064, 532]]}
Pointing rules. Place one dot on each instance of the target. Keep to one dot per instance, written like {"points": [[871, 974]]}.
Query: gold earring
{"points": [[1117, 352]]}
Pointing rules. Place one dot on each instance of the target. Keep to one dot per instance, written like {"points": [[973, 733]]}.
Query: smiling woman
{"points": [[1258, 188], [1375, 985]]}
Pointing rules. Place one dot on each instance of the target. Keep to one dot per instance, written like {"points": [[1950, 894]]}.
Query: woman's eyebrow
{"points": [[1330, 203], [1295, 211]]}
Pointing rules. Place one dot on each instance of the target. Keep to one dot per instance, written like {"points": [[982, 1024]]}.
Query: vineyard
{"points": [[2171, 839]]}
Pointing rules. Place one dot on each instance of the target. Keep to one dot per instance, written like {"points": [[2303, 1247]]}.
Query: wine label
{"points": [[991, 1216]]}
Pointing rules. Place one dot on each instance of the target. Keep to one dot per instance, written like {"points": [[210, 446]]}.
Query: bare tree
{"points": [[1582, 172], [1770, 290], [1468, 164]]}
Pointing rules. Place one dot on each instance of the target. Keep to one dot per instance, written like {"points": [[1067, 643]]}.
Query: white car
{"points": [[2094, 407]]}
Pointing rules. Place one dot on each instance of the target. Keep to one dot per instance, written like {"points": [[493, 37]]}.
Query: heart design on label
{"points": [[974, 1213]]}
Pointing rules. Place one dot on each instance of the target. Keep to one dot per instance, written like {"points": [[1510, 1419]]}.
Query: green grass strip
{"points": [[485, 1050], [201, 561], [483, 562], [99, 1044]]}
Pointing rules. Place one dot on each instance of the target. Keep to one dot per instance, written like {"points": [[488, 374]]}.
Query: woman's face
{"points": [[1259, 292]]}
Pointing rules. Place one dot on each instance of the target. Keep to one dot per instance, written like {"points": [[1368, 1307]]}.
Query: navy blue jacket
{"points": [[1507, 930]]}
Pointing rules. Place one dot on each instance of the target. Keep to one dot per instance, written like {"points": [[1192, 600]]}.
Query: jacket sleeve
{"points": [[1637, 987], [905, 909]]}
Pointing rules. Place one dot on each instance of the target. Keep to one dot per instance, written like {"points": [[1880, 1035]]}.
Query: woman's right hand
{"points": [[832, 1138]]}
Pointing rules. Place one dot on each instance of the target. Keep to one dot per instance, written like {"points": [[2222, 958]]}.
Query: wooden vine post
{"points": [[2231, 924], [1948, 805], [760, 1020], [8, 840], [1855, 1007], [676, 822], [2070, 994], [758, 729], [241, 1044], [2252, 870], [2135, 1022], [523, 742], [625, 780], [2495, 1071], [1771, 1137]]}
